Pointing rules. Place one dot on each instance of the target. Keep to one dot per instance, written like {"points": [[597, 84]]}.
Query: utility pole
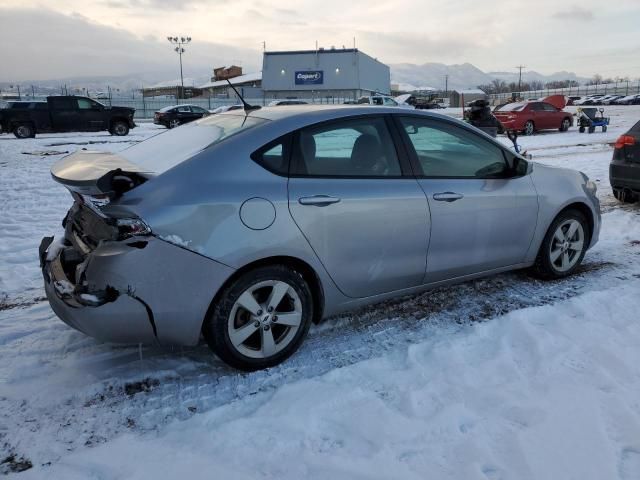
{"points": [[179, 49], [520, 67], [446, 85]]}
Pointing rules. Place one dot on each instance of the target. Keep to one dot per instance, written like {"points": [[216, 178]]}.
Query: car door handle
{"points": [[318, 200], [447, 196]]}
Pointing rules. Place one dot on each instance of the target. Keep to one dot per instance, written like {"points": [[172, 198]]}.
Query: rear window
{"points": [[168, 149], [635, 128], [511, 107]]}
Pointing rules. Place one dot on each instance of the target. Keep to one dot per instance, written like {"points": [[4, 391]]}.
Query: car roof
{"points": [[171, 107], [315, 112]]}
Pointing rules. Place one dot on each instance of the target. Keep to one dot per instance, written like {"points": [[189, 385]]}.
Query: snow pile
{"points": [[546, 392]]}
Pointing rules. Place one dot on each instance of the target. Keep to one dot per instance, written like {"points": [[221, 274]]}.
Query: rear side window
{"points": [[360, 147], [274, 156], [62, 103]]}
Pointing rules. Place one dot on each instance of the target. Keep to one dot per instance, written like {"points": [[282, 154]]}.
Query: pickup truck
{"points": [[64, 114]]}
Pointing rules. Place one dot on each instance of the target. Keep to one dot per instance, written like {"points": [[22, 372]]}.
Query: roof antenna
{"points": [[247, 107]]}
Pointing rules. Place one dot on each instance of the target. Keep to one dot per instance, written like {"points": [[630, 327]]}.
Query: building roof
{"points": [[188, 82], [471, 91], [319, 50], [246, 78]]}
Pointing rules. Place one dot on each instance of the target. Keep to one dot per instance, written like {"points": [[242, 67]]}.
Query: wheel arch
{"points": [[582, 208], [306, 270]]}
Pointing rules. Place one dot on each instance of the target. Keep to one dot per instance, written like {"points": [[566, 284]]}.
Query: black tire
{"points": [[564, 126], [216, 326], [544, 267], [581, 129], [624, 196], [604, 128], [592, 129], [24, 130], [119, 128], [529, 128], [173, 123]]}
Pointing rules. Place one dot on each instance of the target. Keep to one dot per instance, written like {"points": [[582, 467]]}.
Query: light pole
{"points": [[179, 49]]}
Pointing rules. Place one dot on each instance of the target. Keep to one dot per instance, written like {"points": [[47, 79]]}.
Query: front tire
{"points": [[260, 319], [564, 126], [529, 128], [564, 246], [119, 128]]}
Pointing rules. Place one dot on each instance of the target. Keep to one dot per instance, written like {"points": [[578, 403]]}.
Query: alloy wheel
{"points": [[264, 319], [174, 123], [528, 128], [567, 245]]}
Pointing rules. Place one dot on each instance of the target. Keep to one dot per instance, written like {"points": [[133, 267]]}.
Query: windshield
{"points": [[511, 107], [167, 149]]}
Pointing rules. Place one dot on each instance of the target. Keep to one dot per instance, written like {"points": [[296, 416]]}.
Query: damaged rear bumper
{"points": [[140, 290]]}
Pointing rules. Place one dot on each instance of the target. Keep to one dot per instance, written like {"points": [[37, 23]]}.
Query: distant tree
{"points": [[536, 85], [595, 80], [499, 86]]}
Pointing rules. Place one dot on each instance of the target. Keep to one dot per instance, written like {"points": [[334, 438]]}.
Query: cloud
{"points": [[54, 45], [577, 14]]}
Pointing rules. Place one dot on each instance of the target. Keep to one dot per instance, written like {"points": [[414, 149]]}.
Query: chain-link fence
{"points": [[620, 88]]}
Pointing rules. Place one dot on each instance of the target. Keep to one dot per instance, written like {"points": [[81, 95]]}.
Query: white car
{"points": [[384, 101], [226, 108], [589, 99], [280, 103]]}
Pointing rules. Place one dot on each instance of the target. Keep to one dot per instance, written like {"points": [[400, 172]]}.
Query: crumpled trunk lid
{"points": [[96, 173]]}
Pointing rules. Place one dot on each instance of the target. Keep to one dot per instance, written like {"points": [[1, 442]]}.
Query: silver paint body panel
{"points": [[386, 237]]}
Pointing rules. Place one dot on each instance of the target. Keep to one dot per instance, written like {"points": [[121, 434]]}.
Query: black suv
{"points": [[65, 114], [624, 171], [176, 115]]}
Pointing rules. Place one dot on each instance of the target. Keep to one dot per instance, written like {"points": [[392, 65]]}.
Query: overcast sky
{"points": [[57, 39]]}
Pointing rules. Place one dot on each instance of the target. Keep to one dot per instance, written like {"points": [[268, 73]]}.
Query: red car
{"points": [[529, 117]]}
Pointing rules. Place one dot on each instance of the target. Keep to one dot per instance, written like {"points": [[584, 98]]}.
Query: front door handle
{"points": [[447, 196], [318, 200]]}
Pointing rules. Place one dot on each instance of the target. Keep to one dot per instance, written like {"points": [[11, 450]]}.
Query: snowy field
{"points": [[500, 378]]}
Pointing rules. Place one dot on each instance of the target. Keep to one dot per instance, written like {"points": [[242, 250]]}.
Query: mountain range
{"points": [[409, 76], [463, 76]]}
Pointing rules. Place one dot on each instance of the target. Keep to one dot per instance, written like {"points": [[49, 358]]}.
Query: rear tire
{"points": [[581, 129], [248, 330], [174, 123], [529, 128], [119, 128], [24, 130], [564, 246]]}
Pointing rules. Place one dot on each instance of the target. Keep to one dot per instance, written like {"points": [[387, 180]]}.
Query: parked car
{"points": [[279, 103], [572, 99], [628, 100], [65, 114], [382, 101], [249, 226], [176, 115], [589, 99], [624, 170], [227, 108], [530, 117], [610, 99]]}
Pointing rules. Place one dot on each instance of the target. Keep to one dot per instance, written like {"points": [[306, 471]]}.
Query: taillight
{"points": [[625, 141], [129, 227]]}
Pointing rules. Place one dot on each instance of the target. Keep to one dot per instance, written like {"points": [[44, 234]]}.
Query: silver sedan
{"points": [[246, 227]]}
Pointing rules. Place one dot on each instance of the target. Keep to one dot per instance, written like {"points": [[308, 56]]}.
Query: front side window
{"points": [[448, 151], [348, 148], [184, 110]]}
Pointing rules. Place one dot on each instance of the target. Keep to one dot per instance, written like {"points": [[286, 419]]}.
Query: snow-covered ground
{"points": [[501, 378]]}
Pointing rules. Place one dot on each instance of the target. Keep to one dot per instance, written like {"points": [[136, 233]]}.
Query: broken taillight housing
{"points": [[625, 141], [130, 227]]}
